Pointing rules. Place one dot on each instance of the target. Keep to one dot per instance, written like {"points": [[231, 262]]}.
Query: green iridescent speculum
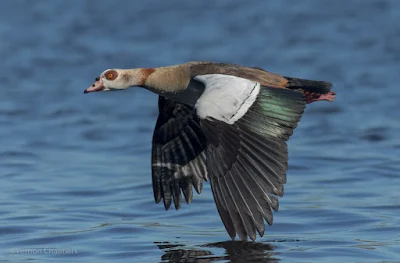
{"points": [[275, 113]]}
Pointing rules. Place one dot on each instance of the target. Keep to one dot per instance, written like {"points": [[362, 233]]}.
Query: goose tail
{"points": [[314, 90]]}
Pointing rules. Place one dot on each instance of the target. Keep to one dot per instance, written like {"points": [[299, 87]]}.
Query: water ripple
{"points": [[75, 169]]}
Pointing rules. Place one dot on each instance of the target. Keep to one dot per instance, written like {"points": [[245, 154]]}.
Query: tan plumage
{"points": [[224, 123], [176, 78]]}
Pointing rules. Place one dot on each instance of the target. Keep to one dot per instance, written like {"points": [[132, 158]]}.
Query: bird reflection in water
{"points": [[235, 251]]}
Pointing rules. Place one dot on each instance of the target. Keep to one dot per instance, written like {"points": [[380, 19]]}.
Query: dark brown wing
{"points": [[178, 156], [247, 160]]}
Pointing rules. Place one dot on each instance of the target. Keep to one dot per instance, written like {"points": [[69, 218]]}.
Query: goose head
{"points": [[119, 79]]}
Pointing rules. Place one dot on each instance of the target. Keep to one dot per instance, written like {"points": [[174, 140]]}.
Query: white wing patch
{"points": [[226, 98]]}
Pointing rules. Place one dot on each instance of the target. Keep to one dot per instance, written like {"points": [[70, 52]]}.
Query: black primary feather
{"points": [[178, 156], [247, 161]]}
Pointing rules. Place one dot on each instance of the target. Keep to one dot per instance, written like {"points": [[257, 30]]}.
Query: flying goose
{"points": [[225, 123]]}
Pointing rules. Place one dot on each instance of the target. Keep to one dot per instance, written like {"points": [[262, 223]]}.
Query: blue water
{"points": [[75, 181]]}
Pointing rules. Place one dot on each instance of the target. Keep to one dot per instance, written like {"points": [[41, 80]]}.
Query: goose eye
{"points": [[111, 75]]}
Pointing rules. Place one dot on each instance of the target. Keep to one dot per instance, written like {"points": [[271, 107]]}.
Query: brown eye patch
{"points": [[111, 75]]}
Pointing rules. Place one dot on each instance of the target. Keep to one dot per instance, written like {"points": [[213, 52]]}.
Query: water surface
{"points": [[75, 169]]}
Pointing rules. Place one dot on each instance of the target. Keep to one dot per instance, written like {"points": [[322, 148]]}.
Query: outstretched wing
{"points": [[178, 156], [246, 126]]}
